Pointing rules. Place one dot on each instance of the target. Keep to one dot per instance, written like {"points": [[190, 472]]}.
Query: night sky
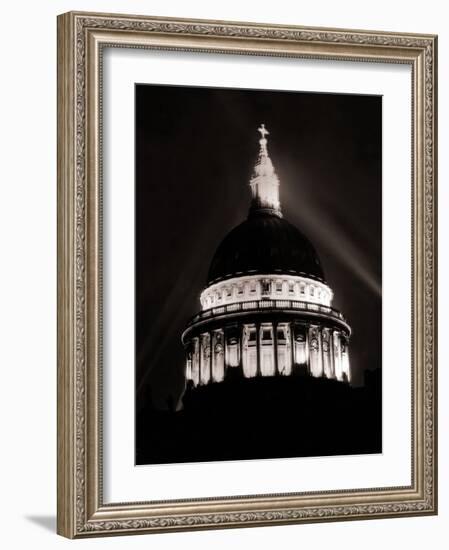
{"points": [[195, 152]]}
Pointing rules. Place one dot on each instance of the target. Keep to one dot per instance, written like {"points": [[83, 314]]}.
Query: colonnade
{"points": [[267, 349]]}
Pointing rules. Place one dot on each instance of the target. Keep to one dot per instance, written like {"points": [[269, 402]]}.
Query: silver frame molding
{"points": [[81, 510]]}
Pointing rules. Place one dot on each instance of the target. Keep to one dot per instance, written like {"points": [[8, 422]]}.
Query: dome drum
{"points": [[275, 287]]}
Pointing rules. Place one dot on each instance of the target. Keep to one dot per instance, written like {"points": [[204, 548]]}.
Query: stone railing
{"points": [[253, 305]]}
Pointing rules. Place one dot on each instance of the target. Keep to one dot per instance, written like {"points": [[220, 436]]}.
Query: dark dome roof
{"points": [[265, 244]]}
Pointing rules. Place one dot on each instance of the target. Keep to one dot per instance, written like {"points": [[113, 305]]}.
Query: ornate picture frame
{"points": [[82, 39]]}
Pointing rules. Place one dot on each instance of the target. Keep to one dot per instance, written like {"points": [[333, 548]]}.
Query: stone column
{"points": [[224, 352], [200, 359], [307, 349], [242, 328], [292, 344], [332, 352], [320, 351], [195, 362], [258, 372], [211, 358], [275, 348]]}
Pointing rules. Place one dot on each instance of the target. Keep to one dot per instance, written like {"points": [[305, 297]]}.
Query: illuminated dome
{"points": [[265, 244], [266, 309]]}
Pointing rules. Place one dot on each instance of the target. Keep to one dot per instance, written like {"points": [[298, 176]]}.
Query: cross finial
{"points": [[264, 182], [263, 131]]}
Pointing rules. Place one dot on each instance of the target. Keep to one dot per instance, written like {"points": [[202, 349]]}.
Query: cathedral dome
{"points": [[265, 243], [266, 308]]}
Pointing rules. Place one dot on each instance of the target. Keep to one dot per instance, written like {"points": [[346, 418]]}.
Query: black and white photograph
{"points": [[223, 323], [258, 274]]}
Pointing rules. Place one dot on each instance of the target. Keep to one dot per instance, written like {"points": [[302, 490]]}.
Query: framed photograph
{"points": [[246, 274]]}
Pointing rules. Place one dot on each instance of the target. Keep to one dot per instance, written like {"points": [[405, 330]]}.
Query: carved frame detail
{"points": [[81, 37]]}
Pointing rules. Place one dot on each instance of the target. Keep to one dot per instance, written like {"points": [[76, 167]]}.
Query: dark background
{"points": [[195, 152]]}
